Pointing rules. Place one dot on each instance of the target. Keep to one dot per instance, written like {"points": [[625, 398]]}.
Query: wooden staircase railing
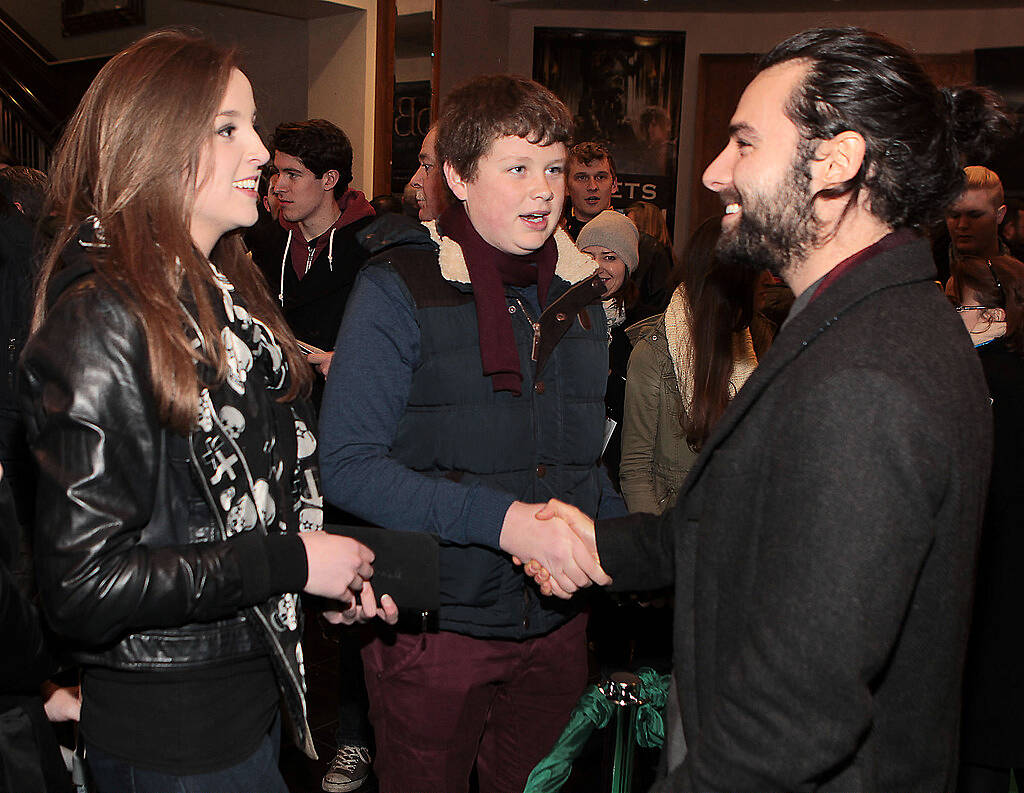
{"points": [[38, 94]]}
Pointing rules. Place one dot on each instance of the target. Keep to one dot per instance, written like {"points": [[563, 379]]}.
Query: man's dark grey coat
{"points": [[823, 548]]}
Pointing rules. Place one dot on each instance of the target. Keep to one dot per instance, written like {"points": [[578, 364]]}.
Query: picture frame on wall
{"points": [[91, 16], [624, 89]]}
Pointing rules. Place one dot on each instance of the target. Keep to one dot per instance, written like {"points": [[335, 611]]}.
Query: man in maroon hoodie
{"points": [[311, 263]]}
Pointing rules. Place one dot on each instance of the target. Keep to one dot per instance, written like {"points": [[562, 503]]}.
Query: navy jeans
{"points": [[257, 772]]}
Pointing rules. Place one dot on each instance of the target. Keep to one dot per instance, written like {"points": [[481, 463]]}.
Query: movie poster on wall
{"points": [[624, 89]]}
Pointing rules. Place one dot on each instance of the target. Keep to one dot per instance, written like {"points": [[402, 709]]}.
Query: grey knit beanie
{"points": [[614, 231]]}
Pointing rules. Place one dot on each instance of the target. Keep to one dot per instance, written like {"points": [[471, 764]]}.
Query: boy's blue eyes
{"points": [[554, 169]]}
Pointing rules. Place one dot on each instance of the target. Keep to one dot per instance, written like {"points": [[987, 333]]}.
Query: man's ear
{"points": [[455, 182], [1000, 214], [840, 158], [615, 184], [995, 314], [330, 179]]}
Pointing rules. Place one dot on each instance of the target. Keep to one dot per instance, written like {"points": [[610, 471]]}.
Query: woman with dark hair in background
{"points": [[179, 500], [685, 367], [991, 305]]}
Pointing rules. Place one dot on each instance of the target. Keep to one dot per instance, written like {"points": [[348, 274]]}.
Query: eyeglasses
{"points": [[999, 287]]}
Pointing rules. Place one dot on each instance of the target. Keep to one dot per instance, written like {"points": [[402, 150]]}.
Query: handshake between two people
{"points": [[556, 541]]}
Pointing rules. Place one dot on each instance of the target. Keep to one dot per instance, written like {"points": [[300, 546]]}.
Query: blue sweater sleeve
{"points": [[611, 504], [376, 353]]}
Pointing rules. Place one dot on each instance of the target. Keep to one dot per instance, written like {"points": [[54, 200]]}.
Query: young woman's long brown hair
{"points": [[130, 158], [650, 220], [998, 283], [721, 299]]}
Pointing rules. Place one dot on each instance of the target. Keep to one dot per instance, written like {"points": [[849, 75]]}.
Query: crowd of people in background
{"points": [[216, 346]]}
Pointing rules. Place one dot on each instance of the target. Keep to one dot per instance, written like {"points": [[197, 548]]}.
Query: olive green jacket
{"points": [[655, 454]]}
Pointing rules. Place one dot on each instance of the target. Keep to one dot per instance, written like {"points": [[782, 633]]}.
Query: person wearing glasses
{"points": [[991, 305]]}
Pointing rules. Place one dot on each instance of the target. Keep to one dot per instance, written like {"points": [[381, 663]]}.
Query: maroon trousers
{"points": [[441, 701]]}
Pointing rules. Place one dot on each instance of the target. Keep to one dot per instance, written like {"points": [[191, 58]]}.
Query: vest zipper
{"points": [[536, 331]]}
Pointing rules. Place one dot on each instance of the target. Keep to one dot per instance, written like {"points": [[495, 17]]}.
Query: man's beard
{"points": [[774, 231]]}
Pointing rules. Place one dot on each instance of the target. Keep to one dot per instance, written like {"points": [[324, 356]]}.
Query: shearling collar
{"points": [[679, 337], [572, 265]]}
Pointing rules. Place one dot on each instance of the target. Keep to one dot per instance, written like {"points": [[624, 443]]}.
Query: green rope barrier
{"points": [[653, 694], [593, 711]]}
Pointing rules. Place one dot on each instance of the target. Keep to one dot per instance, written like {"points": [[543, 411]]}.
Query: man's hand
{"points": [[61, 703], [533, 569], [321, 361], [365, 608], [338, 566], [528, 533], [580, 523], [578, 520]]}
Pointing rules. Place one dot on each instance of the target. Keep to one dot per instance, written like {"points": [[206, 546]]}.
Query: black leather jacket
{"points": [[132, 565]]}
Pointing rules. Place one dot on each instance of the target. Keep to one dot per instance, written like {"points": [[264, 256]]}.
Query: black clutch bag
{"points": [[405, 565]]}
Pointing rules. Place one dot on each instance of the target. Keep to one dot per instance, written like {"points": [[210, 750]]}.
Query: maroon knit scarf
{"points": [[490, 270]]}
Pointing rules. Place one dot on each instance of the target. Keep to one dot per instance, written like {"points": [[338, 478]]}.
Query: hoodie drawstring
{"points": [[284, 262], [309, 260]]}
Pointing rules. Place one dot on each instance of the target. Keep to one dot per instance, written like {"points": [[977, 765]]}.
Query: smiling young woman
{"points": [[168, 417]]}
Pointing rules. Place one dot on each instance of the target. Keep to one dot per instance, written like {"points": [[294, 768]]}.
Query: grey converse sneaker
{"points": [[349, 769]]}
